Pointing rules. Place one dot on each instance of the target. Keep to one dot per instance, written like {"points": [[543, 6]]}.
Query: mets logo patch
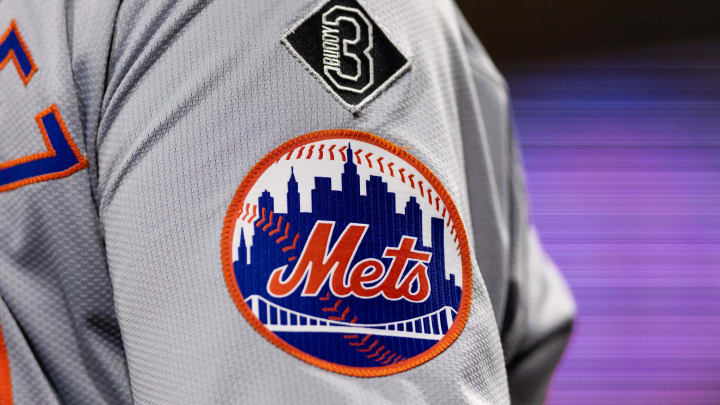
{"points": [[347, 252]]}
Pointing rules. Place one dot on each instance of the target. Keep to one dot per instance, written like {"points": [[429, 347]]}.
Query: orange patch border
{"points": [[228, 273]]}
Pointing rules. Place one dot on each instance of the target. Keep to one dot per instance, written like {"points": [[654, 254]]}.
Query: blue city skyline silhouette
{"points": [[377, 209]]}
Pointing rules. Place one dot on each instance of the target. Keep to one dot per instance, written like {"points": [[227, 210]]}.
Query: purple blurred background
{"points": [[617, 110], [622, 152]]}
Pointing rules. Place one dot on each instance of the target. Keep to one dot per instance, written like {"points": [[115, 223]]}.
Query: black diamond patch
{"points": [[347, 51]]}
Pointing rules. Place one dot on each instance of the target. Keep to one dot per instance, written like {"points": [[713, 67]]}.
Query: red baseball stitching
{"points": [[341, 317], [235, 210], [285, 236], [344, 316], [269, 217], [361, 342], [367, 349], [376, 352], [381, 167], [333, 308], [277, 229], [336, 306], [342, 153], [381, 358]]}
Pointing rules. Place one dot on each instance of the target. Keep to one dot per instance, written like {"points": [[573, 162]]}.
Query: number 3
{"points": [[62, 157], [362, 44]]}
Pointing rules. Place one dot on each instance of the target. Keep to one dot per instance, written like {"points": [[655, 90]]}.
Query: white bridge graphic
{"points": [[280, 319]]}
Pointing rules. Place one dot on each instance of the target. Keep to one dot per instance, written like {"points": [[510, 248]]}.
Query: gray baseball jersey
{"points": [[264, 202]]}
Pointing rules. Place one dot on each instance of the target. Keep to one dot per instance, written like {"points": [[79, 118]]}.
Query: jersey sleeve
{"points": [[205, 103], [533, 305], [540, 308]]}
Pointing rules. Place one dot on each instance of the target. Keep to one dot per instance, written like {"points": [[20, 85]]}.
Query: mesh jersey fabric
{"points": [[111, 283], [56, 312]]}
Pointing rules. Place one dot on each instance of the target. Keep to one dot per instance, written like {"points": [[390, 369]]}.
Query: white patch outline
{"points": [[355, 109], [351, 55]]}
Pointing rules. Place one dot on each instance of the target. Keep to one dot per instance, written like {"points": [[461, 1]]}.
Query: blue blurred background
{"points": [[617, 108]]}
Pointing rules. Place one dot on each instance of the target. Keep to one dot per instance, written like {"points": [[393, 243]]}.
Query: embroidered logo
{"points": [[346, 50], [348, 253]]}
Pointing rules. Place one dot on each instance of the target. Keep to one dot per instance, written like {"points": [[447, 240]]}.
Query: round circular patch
{"points": [[347, 252]]}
